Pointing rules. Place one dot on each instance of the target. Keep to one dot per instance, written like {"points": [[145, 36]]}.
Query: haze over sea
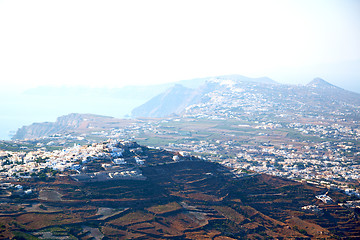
{"points": [[20, 109]]}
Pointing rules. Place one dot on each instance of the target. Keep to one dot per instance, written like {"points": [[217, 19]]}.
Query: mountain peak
{"points": [[178, 86], [319, 82], [240, 78]]}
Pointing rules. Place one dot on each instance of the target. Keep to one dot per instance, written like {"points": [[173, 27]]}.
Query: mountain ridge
{"points": [[318, 93], [160, 105]]}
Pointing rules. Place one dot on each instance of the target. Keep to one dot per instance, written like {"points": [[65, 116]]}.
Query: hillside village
{"points": [[112, 159]]}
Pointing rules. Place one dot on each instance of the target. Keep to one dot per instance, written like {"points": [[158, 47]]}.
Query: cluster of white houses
{"points": [[27, 164]]}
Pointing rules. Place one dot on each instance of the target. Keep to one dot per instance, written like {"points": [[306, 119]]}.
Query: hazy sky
{"points": [[116, 43]]}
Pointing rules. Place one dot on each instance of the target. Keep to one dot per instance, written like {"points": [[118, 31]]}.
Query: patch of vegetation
{"points": [[230, 214], [161, 209], [23, 236], [132, 218], [42, 207]]}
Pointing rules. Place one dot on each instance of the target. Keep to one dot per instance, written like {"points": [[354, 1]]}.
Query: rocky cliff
{"points": [[73, 121]]}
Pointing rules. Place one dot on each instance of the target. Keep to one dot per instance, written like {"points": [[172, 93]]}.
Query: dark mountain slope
{"points": [[172, 101]]}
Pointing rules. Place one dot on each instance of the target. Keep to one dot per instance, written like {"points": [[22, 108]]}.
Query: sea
{"points": [[18, 109]]}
